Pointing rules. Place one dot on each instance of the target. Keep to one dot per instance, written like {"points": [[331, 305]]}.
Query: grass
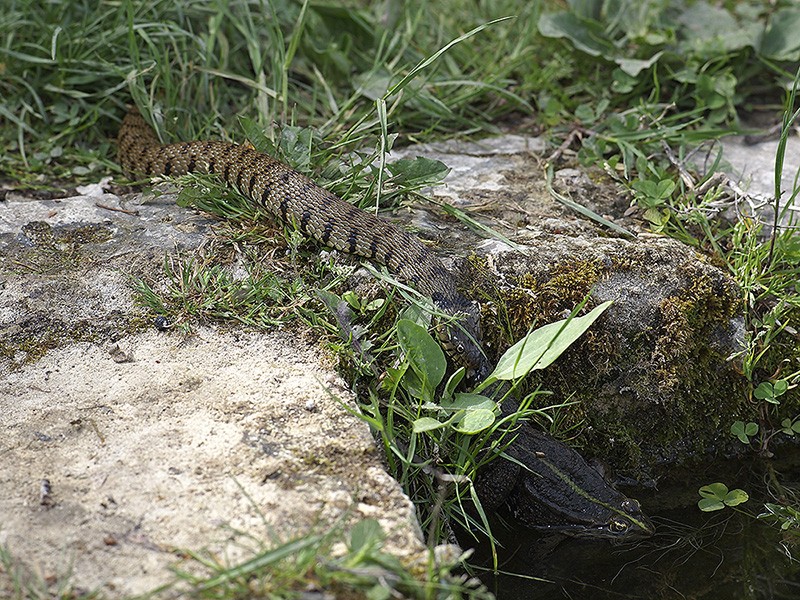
{"points": [[331, 89], [288, 569]]}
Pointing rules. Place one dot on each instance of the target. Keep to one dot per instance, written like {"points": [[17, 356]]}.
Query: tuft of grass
{"points": [[17, 582], [348, 562]]}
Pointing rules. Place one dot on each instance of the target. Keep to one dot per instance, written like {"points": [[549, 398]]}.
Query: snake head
{"points": [[460, 338]]}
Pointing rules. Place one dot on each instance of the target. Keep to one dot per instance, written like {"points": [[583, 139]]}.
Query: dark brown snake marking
{"points": [[292, 197]]}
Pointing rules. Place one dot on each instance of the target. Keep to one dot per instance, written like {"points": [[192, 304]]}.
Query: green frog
{"points": [[548, 486]]}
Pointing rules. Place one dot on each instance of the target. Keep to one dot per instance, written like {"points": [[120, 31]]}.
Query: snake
{"points": [[293, 198]]}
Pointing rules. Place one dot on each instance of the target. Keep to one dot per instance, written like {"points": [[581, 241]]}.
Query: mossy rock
{"points": [[652, 382]]}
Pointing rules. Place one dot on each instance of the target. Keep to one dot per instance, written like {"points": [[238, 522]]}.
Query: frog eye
{"points": [[460, 348], [618, 526]]}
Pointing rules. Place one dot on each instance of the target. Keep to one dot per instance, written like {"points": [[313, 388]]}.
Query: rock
{"points": [[652, 381], [124, 440]]}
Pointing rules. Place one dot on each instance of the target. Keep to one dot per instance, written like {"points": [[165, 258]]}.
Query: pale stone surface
{"points": [[155, 441], [191, 440]]}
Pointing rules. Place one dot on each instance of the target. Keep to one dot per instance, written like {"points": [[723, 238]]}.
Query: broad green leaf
{"points": [[634, 66], [712, 30], [422, 352], [426, 424], [466, 401], [716, 496], [417, 172], [780, 41], [736, 497], [710, 504], [586, 35], [744, 431], [779, 387], [714, 490], [665, 188], [415, 386], [764, 391], [375, 304], [475, 421], [364, 534], [541, 347]]}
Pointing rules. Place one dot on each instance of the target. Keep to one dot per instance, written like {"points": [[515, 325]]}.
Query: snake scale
{"points": [[292, 197]]}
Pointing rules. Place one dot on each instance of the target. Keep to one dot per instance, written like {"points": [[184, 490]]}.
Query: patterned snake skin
{"points": [[294, 198]]}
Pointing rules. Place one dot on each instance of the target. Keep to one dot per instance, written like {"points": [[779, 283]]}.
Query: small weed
{"points": [[716, 496], [744, 431], [438, 438], [786, 517]]}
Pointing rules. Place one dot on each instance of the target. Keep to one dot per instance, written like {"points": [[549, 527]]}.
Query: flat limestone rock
{"points": [[123, 445]]}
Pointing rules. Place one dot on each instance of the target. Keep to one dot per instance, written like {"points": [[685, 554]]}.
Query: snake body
{"points": [[292, 197]]}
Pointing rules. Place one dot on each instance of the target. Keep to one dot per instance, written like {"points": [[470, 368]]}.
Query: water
{"points": [[726, 555]]}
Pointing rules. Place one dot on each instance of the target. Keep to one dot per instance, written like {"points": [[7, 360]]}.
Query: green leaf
{"points": [[585, 113], [586, 35], [780, 41], [475, 412], [352, 299], [423, 354], [664, 188], [375, 304], [646, 187], [452, 383], [365, 534], [541, 347], [710, 504], [717, 491], [779, 387], [418, 172], [744, 431], [475, 420], [712, 31], [466, 401], [764, 391], [424, 424], [634, 66], [716, 496], [736, 497]]}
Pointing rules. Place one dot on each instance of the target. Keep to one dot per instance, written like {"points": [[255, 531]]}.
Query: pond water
{"points": [[725, 555]]}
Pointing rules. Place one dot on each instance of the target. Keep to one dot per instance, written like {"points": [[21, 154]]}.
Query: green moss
{"points": [[37, 338], [644, 393], [537, 299], [687, 321]]}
